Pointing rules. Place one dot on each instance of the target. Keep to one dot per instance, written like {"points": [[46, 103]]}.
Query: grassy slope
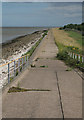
{"points": [[64, 40], [76, 36], [68, 38]]}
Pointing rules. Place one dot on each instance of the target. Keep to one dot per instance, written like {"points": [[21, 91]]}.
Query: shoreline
{"points": [[19, 46], [17, 37], [11, 33]]}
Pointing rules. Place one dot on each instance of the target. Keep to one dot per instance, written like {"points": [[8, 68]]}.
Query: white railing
{"points": [[78, 57]]}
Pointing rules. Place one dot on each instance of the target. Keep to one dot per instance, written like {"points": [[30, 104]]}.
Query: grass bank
{"points": [[77, 36], [68, 41]]}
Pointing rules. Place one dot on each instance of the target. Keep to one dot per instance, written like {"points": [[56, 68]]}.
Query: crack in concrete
{"points": [[60, 95]]}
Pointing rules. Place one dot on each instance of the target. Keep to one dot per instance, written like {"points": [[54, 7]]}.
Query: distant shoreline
{"points": [[15, 38], [11, 33]]}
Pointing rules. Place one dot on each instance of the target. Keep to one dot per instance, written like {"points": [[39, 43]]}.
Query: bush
{"points": [[16, 73], [71, 62], [63, 55]]}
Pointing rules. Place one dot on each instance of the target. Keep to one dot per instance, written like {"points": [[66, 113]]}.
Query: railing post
{"points": [[73, 55], [79, 57], [8, 73], [22, 63], [14, 69], [82, 59], [18, 65], [27, 60], [70, 54]]}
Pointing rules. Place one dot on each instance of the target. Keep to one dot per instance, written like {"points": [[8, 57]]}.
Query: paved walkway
{"points": [[65, 97]]}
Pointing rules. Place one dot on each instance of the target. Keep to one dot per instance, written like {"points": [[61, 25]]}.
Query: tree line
{"points": [[79, 27]]}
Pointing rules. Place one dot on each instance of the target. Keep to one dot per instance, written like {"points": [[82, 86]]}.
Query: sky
{"points": [[41, 0], [41, 14]]}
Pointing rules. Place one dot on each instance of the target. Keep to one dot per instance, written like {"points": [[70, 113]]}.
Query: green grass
{"points": [[11, 78], [69, 69], [60, 46], [77, 36], [44, 66], [63, 55], [64, 50], [79, 39]]}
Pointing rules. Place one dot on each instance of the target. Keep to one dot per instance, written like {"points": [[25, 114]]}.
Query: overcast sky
{"points": [[42, 0], [41, 14]]}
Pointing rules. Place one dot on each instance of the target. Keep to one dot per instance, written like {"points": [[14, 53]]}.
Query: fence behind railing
{"points": [[10, 70], [78, 57]]}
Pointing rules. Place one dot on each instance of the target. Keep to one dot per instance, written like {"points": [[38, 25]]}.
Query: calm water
{"points": [[9, 33]]}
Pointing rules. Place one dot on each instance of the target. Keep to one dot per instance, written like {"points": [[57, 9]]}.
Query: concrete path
{"points": [[65, 97]]}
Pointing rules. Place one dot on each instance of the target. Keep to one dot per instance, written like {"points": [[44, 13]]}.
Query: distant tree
{"points": [[79, 27], [64, 27]]}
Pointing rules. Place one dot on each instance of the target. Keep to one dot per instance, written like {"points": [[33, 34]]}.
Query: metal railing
{"points": [[11, 69], [78, 57]]}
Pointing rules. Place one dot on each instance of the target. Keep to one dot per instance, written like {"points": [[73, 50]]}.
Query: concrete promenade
{"points": [[65, 97]]}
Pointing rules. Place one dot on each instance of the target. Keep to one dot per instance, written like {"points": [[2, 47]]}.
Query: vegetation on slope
{"points": [[68, 41]]}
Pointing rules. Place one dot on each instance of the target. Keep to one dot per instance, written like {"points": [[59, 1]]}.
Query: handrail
{"points": [[18, 65], [74, 56], [13, 61], [76, 53]]}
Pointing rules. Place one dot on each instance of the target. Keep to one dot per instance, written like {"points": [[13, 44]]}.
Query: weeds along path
{"points": [[42, 76]]}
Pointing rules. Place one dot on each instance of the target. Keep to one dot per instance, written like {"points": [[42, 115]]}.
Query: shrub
{"points": [[63, 55], [16, 73]]}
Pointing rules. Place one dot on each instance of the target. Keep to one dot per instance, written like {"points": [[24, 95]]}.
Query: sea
{"points": [[10, 33]]}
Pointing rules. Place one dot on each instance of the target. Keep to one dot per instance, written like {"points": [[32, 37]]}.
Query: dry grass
{"points": [[18, 89], [62, 37]]}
